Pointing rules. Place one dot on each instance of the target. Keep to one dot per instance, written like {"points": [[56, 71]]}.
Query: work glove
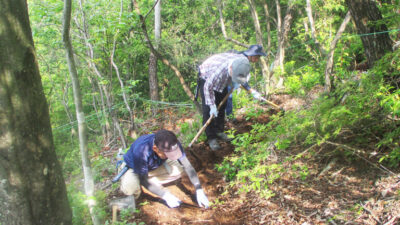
{"points": [[256, 95], [235, 85], [213, 110], [202, 198], [171, 200]]}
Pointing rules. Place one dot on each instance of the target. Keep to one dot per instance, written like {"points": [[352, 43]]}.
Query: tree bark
{"points": [[80, 116], [278, 60], [32, 188], [153, 80], [329, 61], [267, 15], [367, 16]]}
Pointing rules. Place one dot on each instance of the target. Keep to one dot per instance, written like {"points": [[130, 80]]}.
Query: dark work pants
{"points": [[217, 124], [229, 103]]}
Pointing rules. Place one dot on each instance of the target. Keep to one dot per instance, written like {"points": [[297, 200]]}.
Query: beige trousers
{"points": [[167, 172]]}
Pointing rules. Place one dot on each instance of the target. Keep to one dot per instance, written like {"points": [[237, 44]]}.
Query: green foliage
{"points": [[388, 68], [240, 99], [70, 158], [300, 81], [101, 166], [80, 211], [125, 216], [360, 107], [248, 166], [300, 171], [188, 130], [216, 202], [101, 207]]}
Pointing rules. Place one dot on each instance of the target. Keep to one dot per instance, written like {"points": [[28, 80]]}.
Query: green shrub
{"points": [[80, 211], [355, 115], [189, 130]]}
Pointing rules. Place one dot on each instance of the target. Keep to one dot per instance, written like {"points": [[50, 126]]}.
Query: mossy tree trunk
{"points": [[32, 188]]}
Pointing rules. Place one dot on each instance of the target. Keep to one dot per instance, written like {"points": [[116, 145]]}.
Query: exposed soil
{"points": [[335, 191]]}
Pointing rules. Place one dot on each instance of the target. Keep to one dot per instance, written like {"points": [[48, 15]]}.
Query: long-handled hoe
{"points": [[220, 105]]}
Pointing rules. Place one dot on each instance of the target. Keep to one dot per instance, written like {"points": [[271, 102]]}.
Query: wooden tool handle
{"points": [[265, 100], [210, 119]]}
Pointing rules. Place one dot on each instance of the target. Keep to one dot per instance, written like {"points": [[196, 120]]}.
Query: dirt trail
{"points": [[203, 159], [350, 192]]}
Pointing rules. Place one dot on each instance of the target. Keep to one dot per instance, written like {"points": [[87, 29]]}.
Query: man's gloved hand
{"points": [[202, 198], [171, 200], [235, 85], [213, 110], [256, 95]]}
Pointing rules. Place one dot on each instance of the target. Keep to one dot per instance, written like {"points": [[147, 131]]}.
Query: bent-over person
{"points": [[157, 159]]}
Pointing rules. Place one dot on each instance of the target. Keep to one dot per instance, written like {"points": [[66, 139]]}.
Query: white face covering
{"points": [[239, 69]]}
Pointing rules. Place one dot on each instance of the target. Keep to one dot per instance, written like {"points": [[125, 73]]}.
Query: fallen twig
{"points": [[305, 151], [348, 147], [356, 152], [371, 213], [393, 220], [200, 221], [328, 167]]}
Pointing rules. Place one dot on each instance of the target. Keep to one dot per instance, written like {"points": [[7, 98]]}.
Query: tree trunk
{"points": [[32, 188], [268, 49], [278, 60], [82, 130], [312, 26], [153, 81], [283, 33], [287, 23], [164, 60], [256, 22], [367, 18], [329, 61]]}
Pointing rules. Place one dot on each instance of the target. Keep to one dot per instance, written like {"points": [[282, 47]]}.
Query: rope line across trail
{"points": [[94, 116]]}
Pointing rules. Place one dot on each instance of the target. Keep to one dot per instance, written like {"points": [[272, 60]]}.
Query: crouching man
{"points": [[157, 159]]}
